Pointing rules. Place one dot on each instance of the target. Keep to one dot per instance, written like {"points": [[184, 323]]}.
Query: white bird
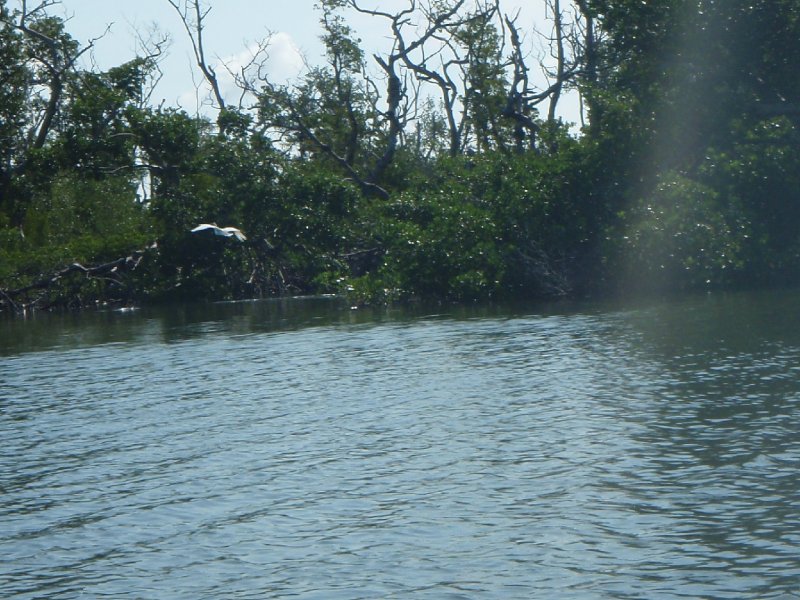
{"points": [[223, 231]]}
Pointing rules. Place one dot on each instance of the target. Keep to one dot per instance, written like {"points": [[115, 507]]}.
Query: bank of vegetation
{"points": [[436, 169]]}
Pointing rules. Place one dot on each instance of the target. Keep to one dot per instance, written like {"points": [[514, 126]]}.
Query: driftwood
{"points": [[19, 299]]}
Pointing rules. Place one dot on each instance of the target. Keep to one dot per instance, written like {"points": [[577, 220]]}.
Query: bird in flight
{"points": [[223, 231]]}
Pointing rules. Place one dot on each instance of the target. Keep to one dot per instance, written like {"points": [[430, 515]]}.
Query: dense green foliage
{"points": [[686, 176]]}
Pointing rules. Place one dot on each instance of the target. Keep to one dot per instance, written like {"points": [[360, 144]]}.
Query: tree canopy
{"points": [[438, 168]]}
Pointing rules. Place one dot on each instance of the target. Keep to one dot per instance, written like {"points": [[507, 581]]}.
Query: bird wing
{"points": [[237, 233], [224, 231], [203, 227]]}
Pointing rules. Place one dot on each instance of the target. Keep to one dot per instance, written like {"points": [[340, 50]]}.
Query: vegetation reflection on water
{"points": [[302, 449]]}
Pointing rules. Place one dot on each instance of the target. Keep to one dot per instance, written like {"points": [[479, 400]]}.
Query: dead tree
{"points": [[439, 26], [587, 42], [557, 40], [564, 65], [441, 52], [193, 16], [395, 96], [518, 109]]}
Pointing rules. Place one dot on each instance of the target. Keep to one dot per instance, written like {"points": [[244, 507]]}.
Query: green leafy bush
{"points": [[678, 237]]}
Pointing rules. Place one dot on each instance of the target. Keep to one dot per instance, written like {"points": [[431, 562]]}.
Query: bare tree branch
{"points": [[401, 53], [193, 16], [152, 49], [554, 7]]}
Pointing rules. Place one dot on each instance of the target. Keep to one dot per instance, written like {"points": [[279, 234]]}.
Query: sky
{"points": [[232, 28]]}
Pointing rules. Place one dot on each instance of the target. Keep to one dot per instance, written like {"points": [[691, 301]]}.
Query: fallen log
{"points": [[19, 301]]}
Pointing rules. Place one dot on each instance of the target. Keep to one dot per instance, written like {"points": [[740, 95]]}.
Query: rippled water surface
{"points": [[298, 449]]}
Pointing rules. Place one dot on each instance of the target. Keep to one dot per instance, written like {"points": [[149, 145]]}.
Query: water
{"points": [[299, 449]]}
